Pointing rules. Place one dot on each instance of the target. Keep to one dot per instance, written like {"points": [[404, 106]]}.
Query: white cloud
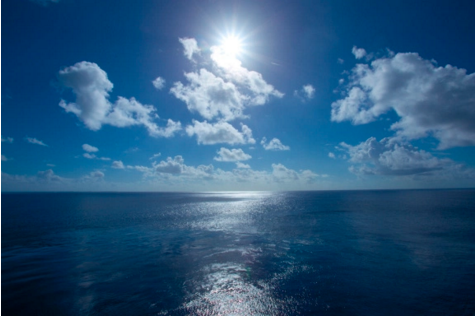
{"points": [[159, 83], [92, 156], [89, 148], [210, 96], [221, 132], [274, 144], [7, 140], [155, 156], [340, 61], [430, 101], [35, 141], [282, 173], [225, 89], [4, 158], [241, 165], [172, 166], [191, 47], [232, 70], [306, 93], [174, 171], [331, 155], [91, 87], [50, 165], [358, 52], [117, 164], [391, 158], [232, 155]]}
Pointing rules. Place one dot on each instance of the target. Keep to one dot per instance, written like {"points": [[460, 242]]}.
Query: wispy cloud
{"points": [[7, 140], [35, 141]]}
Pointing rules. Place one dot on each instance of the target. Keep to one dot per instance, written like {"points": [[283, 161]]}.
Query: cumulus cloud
{"points": [[7, 140], [221, 132], [241, 165], [331, 155], [210, 96], [391, 158], [89, 148], [117, 164], [222, 88], [35, 141], [191, 47], [231, 155], [232, 69], [429, 100], [306, 93], [358, 52], [174, 171], [48, 175], [91, 87], [274, 144], [159, 83]]}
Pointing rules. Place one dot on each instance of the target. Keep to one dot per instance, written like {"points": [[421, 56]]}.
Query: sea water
{"points": [[409, 252]]}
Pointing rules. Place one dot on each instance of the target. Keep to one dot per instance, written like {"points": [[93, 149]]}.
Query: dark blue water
{"points": [[292, 253]]}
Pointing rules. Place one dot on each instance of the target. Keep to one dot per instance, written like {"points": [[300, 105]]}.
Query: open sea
{"points": [[408, 252]]}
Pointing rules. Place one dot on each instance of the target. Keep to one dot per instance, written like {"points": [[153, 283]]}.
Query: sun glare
{"points": [[231, 45]]}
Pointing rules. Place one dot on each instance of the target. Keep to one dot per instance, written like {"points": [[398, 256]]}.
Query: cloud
{"points": [[155, 156], [92, 156], [331, 155], [159, 83], [231, 69], [50, 165], [7, 140], [340, 61], [191, 47], [91, 87], [358, 52], [281, 173], [174, 171], [172, 166], [210, 96], [232, 155], [45, 3], [117, 164], [89, 148], [223, 90], [390, 158], [221, 132], [35, 141], [4, 158], [242, 165], [49, 176], [429, 100], [274, 144], [306, 93]]}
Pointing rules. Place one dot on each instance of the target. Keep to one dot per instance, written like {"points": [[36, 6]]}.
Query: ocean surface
{"points": [[239, 253]]}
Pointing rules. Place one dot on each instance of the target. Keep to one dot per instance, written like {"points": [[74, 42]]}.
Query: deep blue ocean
{"points": [[408, 252]]}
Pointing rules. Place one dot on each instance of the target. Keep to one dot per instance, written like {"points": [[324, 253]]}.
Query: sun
{"points": [[231, 45]]}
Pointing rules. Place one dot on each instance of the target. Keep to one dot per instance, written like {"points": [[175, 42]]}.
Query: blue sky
{"points": [[237, 95]]}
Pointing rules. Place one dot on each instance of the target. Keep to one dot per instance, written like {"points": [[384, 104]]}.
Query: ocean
{"points": [[401, 252]]}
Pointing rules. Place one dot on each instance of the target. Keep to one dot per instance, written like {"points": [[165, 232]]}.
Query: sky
{"points": [[237, 95]]}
